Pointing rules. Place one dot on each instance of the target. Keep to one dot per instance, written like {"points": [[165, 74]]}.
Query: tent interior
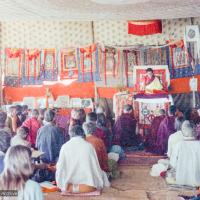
{"points": [[69, 54]]}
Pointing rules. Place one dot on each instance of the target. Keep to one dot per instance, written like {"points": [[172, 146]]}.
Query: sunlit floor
{"points": [[135, 184]]}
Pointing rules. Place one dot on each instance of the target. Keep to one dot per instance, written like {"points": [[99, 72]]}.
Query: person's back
{"points": [[124, 129], [49, 140], [176, 137], [166, 128], [78, 164], [100, 150], [188, 163], [33, 125], [151, 138]]}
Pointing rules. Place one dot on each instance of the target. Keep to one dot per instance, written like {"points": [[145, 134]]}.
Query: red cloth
{"points": [[33, 125], [144, 27], [102, 135], [100, 151]]}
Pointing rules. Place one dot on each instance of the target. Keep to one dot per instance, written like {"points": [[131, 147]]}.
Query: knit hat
{"points": [[187, 130]]}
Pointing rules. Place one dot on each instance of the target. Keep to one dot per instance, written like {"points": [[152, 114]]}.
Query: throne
{"points": [[147, 105]]}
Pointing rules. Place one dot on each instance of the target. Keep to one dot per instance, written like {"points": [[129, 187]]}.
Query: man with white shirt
{"points": [[176, 137], [185, 158], [78, 169]]}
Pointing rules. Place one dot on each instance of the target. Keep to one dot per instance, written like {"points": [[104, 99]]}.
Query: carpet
{"points": [[140, 158], [95, 193]]}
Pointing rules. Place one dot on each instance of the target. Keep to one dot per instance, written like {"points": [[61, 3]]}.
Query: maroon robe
{"points": [[165, 129], [152, 136], [124, 131]]}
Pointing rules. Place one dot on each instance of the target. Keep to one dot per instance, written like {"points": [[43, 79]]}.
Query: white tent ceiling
{"points": [[97, 9]]}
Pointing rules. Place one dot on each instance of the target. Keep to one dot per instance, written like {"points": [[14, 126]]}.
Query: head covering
{"points": [[187, 130]]}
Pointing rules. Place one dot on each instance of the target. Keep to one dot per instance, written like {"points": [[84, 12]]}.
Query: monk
{"points": [[151, 82], [153, 131], [166, 128], [124, 130]]}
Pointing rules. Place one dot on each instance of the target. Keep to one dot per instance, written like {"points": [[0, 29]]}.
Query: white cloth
{"points": [[31, 191], [17, 140], [78, 164], [173, 140], [186, 162]]}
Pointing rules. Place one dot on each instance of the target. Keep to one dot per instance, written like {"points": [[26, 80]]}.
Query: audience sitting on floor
{"points": [[89, 129], [33, 124], [124, 129], [49, 139], [78, 169], [4, 145], [151, 138], [92, 117], [176, 137], [16, 174], [166, 128], [21, 137], [185, 159]]}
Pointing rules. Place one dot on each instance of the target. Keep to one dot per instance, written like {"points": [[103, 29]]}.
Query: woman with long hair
{"points": [[17, 171]]}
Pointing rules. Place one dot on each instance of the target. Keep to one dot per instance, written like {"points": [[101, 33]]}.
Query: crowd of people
{"points": [[83, 156], [79, 158]]}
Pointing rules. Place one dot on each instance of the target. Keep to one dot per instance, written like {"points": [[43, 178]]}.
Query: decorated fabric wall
{"points": [[115, 32], [61, 35]]}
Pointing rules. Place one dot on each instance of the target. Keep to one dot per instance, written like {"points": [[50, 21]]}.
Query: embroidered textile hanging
{"points": [[145, 27], [109, 63], [131, 59], [49, 71], [13, 66], [69, 69], [88, 64], [31, 71], [156, 56], [180, 57]]}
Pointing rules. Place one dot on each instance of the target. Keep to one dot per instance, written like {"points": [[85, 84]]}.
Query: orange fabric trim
{"points": [[84, 90]]}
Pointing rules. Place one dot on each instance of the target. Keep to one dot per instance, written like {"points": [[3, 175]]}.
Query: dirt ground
{"points": [[134, 184]]}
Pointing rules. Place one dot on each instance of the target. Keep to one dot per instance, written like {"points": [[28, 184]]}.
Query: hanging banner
{"points": [[13, 66], [109, 64], [69, 69], [31, 71], [88, 64], [180, 57], [131, 59], [156, 56], [49, 71]]}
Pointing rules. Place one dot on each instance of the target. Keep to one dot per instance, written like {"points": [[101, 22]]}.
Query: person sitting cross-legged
{"points": [[78, 169], [49, 139], [166, 128], [124, 130], [90, 128], [185, 159], [176, 137]]}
